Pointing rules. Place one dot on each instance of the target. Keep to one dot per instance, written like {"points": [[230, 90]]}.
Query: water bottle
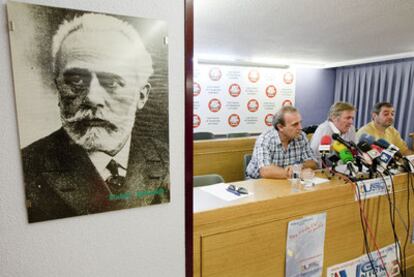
{"points": [[295, 178]]}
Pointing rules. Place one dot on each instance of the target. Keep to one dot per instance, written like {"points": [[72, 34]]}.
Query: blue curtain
{"points": [[365, 85]]}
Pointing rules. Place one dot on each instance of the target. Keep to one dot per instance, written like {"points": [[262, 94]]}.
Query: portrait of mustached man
{"points": [[110, 151]]}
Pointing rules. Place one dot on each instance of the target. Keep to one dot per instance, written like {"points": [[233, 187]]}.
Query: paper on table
{"points": [[220, 190], [317, 181]]}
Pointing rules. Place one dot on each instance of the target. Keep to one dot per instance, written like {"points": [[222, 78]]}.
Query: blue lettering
{"points": [[366, 270], [373, 187], [342, 273]]}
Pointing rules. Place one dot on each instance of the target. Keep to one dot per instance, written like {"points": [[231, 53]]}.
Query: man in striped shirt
{"points": [[278, 148]]}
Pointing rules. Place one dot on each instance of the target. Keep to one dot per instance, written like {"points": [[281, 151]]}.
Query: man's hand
{"points": [[289, 171], [306, 171]]}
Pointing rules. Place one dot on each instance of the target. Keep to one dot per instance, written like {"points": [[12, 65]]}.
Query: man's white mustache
{"points": [[86, 115]]}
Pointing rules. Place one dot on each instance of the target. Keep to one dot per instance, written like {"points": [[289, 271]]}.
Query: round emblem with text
{"points": [[234, 120], [271, 91], [196, 121], [268, 119], [253, 105], [214, 105], [234, 90], [215, 74], [287, 102], [253, 76]]}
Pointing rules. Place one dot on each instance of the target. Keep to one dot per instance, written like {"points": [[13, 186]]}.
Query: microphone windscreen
{"points": [[364, 146], [325, 140], [346, 156], [376, 147], [382, 143], [338, 147], [367, 138]]}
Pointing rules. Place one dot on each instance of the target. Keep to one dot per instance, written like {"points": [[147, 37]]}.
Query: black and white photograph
{"points": [[91, 95]]}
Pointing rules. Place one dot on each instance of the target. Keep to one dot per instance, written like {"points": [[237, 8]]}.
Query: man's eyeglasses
{"points": [[237, 190]]}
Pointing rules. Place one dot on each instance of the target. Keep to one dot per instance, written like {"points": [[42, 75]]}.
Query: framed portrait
{"points": [[91, 95]]}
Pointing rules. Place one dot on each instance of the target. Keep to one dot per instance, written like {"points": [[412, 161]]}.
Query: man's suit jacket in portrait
{"points": [[61, 181]]}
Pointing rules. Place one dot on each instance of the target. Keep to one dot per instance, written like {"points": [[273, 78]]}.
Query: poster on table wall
{"points": [[92, 106], [305, 245], [239, 99]]}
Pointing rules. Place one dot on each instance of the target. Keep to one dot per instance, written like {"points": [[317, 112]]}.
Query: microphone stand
{"points": [[352, 173], [358, 163], [327, 171]]}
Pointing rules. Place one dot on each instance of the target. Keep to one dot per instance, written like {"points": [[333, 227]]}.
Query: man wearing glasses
{"points": [[279, 148]]}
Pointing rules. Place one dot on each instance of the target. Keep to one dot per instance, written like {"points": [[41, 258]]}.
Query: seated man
{"points": [[381, 127], [340, 121], [278, 148]]}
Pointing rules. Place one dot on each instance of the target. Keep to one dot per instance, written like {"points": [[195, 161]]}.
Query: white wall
{"points": [[145, 241]]}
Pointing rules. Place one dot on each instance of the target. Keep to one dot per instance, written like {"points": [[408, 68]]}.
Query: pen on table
{"points": [[233, 191]]}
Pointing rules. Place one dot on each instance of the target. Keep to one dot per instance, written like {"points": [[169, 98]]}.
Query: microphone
{"points": [[325, 145], [345, 156], [349, 144], [367, 138], [364, 145], [338, 147], [390, 147], [369, 157], [325, 148], [367, 145], [391, 155], [377, 148], [364, 156], [376, 152]]}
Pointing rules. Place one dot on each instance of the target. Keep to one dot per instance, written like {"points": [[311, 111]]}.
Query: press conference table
{"points": [[247, 237]]}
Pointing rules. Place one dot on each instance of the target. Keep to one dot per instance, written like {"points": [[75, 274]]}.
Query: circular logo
{"points": [[196, 89], [254, 76], [196, 121], [215, 74], [214, 105], [253, 105], [287, 102], [271, 91], [288, 78], [234, 120], [268, 119], [234, 90]]}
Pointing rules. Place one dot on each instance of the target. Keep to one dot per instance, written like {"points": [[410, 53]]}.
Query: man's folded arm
{"points": [[274, 172]]}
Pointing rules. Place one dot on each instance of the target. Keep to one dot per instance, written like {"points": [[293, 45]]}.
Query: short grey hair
{"points": [[339, 107], [102, 23], [279, 117]]}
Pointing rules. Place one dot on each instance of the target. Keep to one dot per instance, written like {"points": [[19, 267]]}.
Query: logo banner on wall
{"points": [[233, 99], [383, 263]]}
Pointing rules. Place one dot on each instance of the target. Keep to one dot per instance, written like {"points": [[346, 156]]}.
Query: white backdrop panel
{"points": [[234, 99]]}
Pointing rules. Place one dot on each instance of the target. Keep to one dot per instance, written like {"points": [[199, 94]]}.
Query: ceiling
{"points": [[318, 33]]}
